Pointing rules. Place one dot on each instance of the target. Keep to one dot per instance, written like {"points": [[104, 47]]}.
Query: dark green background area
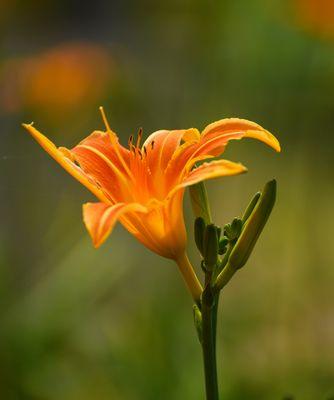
{"points": [[116, 323]]}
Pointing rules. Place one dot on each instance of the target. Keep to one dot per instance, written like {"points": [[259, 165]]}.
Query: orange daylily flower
{"points": [[60, 79], [142, 186], [317, 16]]}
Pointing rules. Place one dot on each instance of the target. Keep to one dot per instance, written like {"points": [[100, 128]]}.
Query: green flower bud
{"points": [[200, 202], [223, 242], [250, 207], [199, 229], [253, 226], [233, 230], [236, 226], [227, 230], [210, 246]]}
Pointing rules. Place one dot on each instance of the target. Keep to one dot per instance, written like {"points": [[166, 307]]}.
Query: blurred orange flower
{"points": [[316, 16], [143, 185], [59, 79]]}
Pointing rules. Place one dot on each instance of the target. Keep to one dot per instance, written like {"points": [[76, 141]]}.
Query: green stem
{"points": [[209, 318], [214, 319]]}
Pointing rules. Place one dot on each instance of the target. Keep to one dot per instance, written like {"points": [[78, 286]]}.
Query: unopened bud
{"points": [[199, 229], [210, 246], [253, 226], [223, 242], [233, 230], [251, 207], [200, 202]]}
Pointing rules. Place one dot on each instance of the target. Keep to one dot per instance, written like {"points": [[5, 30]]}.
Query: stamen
{"points": [[140, 134], [152, 144], [130, 141], [114, 142], [105, 121], [140, 153], [145, 151]]}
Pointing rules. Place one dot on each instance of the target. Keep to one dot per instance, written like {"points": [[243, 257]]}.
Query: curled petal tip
{"points": [[243, 169], [266, 137], [274, 143], [237, 168]]}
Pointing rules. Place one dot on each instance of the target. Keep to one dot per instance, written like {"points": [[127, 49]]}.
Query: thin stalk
{"points": [[214, 319], [209, 318]]}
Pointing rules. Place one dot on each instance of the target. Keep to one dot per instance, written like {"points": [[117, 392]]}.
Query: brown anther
{"points": [[145, 151], [130, 140], [152, 144], [140, 153]]}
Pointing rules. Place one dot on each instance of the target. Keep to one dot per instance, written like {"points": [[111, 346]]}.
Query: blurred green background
{"points": [[76, 323]]}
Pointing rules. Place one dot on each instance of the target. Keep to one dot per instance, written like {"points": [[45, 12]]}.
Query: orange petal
{"points": [[137, 225], [210, 170], [164, 145], [63, 158], [162, 228], [105, 144], [176, 165], [100, 218], [213, 141], [216, 135], [102, 169], [191, 134]]}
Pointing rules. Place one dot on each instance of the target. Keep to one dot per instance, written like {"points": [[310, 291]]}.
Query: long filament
{"points": [[113, 142]]}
